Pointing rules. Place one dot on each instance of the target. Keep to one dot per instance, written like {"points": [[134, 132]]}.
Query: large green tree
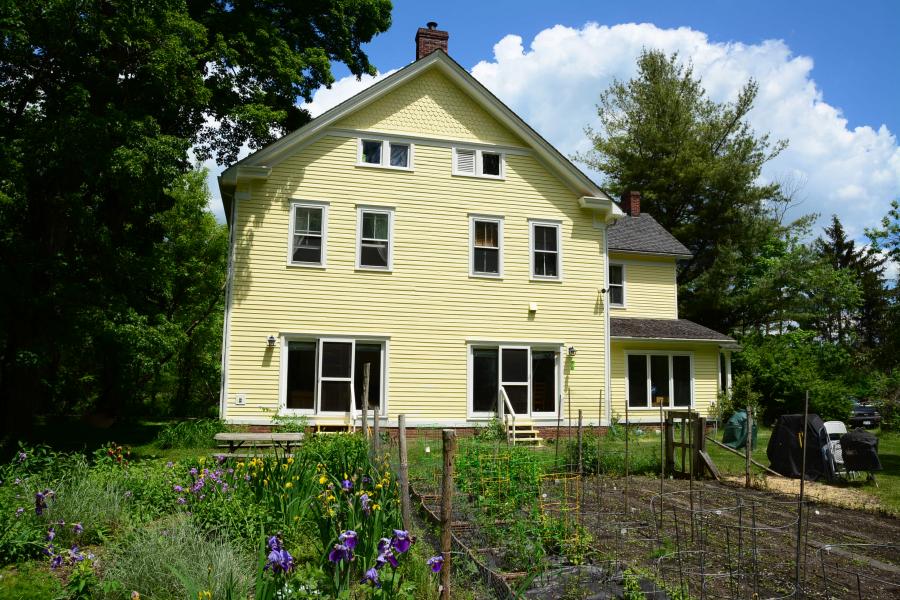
{"points": [[697, 164], [100, 101]]}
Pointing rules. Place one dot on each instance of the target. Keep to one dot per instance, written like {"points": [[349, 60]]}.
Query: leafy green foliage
{"points": [[28, 581], [605, 455], [194, 433]]}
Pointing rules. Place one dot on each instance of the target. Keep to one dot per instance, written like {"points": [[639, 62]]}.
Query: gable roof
{"points": [[643, 235], [258, 164], [664, 329]]}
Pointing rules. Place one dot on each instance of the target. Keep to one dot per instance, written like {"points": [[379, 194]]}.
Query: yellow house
{"points": [[422, 229]]}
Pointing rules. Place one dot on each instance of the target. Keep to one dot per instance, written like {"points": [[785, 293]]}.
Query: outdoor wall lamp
{"points": [[271, 341], [572, 351]]}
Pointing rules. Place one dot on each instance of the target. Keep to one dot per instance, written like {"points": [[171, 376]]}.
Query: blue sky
{"points": [[829, 75]]}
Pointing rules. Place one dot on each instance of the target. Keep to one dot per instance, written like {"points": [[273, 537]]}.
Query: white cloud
{"points": [[555, 85]]}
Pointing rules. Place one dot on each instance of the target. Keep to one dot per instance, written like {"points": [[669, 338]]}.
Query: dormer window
{"points": [[478, 163], [384, 153]]}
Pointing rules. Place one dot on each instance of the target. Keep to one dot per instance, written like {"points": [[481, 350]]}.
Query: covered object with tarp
{"points": [[789, 441], [860, 449], [735, 435]]}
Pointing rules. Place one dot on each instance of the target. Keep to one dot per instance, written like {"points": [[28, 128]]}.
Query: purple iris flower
{"points": [[385, 554], [280, 561], [19, 512], [178, 488], [77, 528], [75, 555], [347, 485], [220, 458], [22, 456], [40, 501], [56, 562], [51, 533], [366, 479], [372, 577], [274, 543], [365, 503], [435, 562], [340, 552], [348, 538], [401, 541], [181, 500], [193, 471]]}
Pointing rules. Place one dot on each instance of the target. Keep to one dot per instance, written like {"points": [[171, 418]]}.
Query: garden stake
{"points": [[748, 446], [449, 438], [404, 474], [365, 402], [800, 501], [376, 434], [580, 464]]}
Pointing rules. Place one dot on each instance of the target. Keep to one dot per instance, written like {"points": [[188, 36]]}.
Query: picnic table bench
{"points": [[258, 440]]}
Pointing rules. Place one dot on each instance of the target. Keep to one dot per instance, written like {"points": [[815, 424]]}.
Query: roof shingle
{"points": [[674, 329], [643, 234]]}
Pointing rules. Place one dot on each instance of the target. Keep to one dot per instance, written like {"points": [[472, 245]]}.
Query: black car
{"points": [[864, 416]]}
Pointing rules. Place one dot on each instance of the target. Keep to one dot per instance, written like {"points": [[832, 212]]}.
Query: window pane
{"points": [[545, 264], [485, 362], [637, 380], [307, 249], [615, 275], [515, 366], [545, 238], [371, 152], [301, 375], [616, 295], [487, 234], [681, 376], [490, 163], [518, 397], [368, 353], [336, 359], [375, 225], [659, 380], [335, 396], [373, 254], [543, 381], [487, 261], [308, 220], [399, 155]]}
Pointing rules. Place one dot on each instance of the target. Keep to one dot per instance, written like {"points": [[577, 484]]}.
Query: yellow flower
{"points": [[378, 486], [240, 465], [296, 478], [288, 485], [376, 507], [290, 460], [202, 459], [265, 482], [204, 595], [322, 480], [284, 467], [331, 512], [135, 595]]}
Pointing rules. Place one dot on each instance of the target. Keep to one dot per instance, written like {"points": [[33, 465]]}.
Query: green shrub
{"points": [[173, 558], [195, 433], [886, 395]]}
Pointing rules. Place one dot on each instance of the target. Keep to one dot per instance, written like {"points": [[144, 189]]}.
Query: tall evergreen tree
{"points": [[697, 164]]}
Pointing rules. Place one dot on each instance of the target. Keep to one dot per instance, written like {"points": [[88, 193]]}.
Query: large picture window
{"points": [[658, 379], [528, 375], [308, 225], [326, 375]]}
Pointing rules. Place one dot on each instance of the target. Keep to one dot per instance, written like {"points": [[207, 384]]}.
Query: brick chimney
{"points": [[631, 203], [429, 39]]}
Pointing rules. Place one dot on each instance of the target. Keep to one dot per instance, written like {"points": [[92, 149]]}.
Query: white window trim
{"points": [[559, 249], [493, 219], [624, 303], [669, 354], [479, 163], [290, 255], [389, 211], [361, 338], [385, 154], [559, 349]]}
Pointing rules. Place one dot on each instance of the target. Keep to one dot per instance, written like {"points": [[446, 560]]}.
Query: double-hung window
{"points": [[375, 243], [326, 375], [527, 375], [308, 227], [478, 163], [617, 285], [659, 379], [546, 251], [384, 153], [487, 246]]}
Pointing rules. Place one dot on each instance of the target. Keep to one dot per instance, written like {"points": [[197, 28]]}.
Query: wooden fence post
{"points": [[365, 402], [447, 510], [404, 475], [748, 447]]}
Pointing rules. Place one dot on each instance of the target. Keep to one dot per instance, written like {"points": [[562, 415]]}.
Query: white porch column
{"points": [[728, 371]]}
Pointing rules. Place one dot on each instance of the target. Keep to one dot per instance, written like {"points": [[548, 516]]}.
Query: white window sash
{"points": [[532, 251], [385, 162], [473, 222], [617, 286], [295, 235], [362, 241]]}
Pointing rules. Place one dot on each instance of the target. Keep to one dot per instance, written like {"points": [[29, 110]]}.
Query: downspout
{"points": [[606, 343], [226, 322]]}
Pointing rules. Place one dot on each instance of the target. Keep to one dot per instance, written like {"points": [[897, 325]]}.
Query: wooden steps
{"points": [[524, 434], [332, 429]]}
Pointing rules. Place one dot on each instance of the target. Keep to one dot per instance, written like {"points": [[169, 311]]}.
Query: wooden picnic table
{"points": [[236, 440]]}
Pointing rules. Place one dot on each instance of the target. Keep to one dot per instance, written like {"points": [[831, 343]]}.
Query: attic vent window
{"points": [[478, 163], [385, 154]]}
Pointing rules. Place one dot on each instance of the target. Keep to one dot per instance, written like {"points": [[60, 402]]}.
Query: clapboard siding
{"points": [[650, 288]]}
